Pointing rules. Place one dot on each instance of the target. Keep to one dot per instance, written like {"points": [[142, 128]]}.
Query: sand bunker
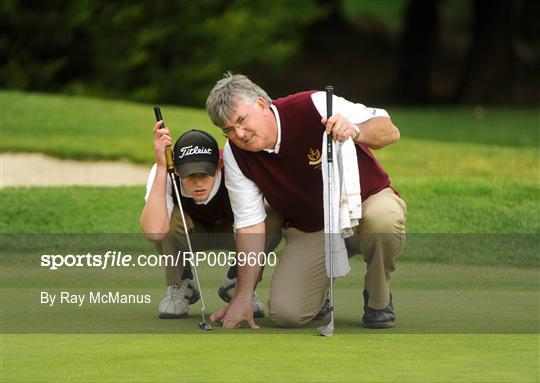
{"points": [[25, 169]]}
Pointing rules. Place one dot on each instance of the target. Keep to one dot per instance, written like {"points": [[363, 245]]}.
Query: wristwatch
{"points": [[357, 130]]}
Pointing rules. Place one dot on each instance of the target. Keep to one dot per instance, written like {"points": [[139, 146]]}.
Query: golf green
{"points": [[372, 357], [455, 323]]}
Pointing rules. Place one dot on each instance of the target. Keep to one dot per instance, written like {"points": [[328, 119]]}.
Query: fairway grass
{"points": [[91, 128]]}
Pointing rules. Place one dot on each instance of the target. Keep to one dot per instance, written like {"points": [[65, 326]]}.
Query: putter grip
{"points": [[159, 117], [168, 151], [329, 93]]}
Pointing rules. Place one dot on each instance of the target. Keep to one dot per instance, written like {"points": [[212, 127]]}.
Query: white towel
{"points": [[346, 202], [350, 202]]}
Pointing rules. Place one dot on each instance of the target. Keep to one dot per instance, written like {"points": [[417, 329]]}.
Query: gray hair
{"points": [[222, 99]]}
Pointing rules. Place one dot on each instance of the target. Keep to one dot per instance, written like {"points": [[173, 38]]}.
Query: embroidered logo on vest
{"points": [[314, 158]]}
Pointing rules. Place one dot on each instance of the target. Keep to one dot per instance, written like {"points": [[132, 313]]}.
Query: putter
{"points": [[204, 326], [328, 330]]}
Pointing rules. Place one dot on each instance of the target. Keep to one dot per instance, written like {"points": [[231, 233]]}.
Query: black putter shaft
{"points": [[330, 158], [329, 93], [168, 150], [328, 330]]}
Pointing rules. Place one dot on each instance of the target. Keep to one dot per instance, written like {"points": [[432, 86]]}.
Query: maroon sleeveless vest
{"points": [[291, 180]]}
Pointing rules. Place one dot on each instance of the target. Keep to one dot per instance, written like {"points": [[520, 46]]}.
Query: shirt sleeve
{"points": [[247, 201], [355, 113], [150, 182]]}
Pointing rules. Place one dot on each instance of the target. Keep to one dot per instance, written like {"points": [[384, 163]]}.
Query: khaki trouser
{"points": [[299, 283], [206, 236]]}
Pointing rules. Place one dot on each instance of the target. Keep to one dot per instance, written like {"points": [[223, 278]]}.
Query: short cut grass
{"points": [[221, 101]]}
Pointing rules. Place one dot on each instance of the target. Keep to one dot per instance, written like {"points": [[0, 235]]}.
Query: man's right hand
{"points": [[162, 139], [239, 310]]}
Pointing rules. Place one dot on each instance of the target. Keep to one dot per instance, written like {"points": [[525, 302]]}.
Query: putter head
{"points": [[328, 330], [205, 326], [325, 330]]}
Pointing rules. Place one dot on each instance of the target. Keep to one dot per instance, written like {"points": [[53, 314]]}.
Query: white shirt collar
{"points": [[278, 142], [214, 191]]}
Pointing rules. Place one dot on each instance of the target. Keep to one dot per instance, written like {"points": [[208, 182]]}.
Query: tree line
{"points": [[174, 51]]}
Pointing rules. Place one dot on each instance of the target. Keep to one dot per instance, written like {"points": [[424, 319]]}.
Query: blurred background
{"points": [[404, 52]]}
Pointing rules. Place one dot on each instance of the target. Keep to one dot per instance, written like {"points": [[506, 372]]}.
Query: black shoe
{"points": [[384, 318], [325, 310]]}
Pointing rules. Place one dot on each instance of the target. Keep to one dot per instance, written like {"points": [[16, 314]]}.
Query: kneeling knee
{"points": [[288, 317], [384, 224]]}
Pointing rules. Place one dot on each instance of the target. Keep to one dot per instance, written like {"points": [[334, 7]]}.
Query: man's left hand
{"points": [[232, 317], [340, 127]]}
